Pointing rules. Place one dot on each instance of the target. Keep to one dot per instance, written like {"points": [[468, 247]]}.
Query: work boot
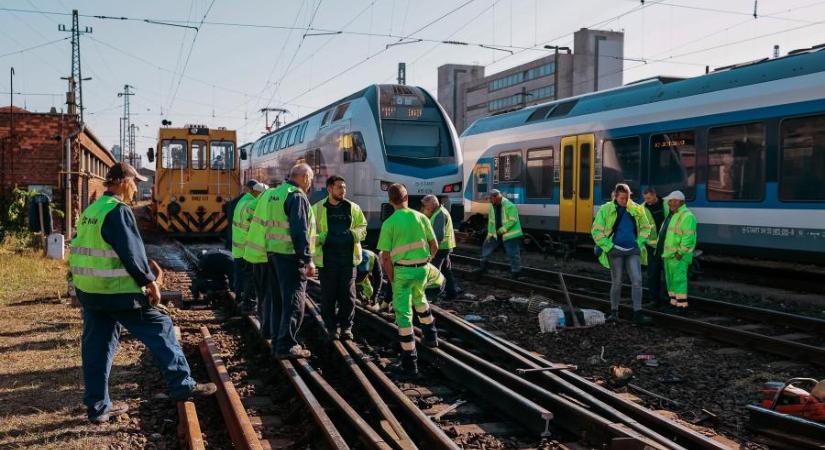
{"points": [[115, 410], [407, 368], [202, 390], [613, 316], [430, 335], [333, 334], [296, 352], [640, 318], [346, 334]]}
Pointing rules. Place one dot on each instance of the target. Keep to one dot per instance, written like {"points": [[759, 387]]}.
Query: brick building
{"points": [[32, 156]]}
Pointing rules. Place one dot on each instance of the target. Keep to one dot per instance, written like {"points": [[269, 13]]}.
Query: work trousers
{"points": [[655, 275], [619, 263], [101, 331], [676, 275], [269, 303], [408, 295], [293, 285], [243, 284], [337, 295], [443, 263], [512, 247]]}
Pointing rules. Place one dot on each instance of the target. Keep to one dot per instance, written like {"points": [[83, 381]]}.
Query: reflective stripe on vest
{"points": [[95, 266], [239, 228], [276, 223], [410, 246], [448, 241]]}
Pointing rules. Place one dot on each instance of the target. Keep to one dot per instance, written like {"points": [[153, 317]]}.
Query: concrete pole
{"points": [[68, 189]]}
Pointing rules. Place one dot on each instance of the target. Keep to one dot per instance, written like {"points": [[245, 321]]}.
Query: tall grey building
{"points": [[596, 63]]}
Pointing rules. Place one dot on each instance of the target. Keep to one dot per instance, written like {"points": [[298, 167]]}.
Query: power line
{"points": [[24, 50], [189, 55]]}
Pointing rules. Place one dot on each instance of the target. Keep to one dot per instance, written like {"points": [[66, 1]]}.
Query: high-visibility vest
{"points": [[255, 245], [368, 261], [435, 279], [95, 267], [271, 216], [246, 220], [409, 244], [358, 228], [603, 226], [681, 235], [510, 223], [448, 242], [239, 228]]}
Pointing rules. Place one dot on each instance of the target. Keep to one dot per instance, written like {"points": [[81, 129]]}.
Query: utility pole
{"points": [[279, 112], [402, 73], [126, 140], [75, 95], [132, 155], [556, 48]]}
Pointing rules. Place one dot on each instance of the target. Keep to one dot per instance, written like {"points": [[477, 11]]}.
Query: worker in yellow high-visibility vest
{"points": [[445, 235], [242, 270], [677, 241], [504, 229]]}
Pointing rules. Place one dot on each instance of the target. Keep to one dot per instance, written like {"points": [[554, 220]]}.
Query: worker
{"points": [[253, 291], [114, 284], [369, 278], [621, 232], [341, 227], [239, 229], [676, 243], [408, 244], [655, 212], [267, 288], [442, 225], [214, 275], [290, 241], [503, 228]]}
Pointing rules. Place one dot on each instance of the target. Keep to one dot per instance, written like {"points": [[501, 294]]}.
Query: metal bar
{"points": [[234, 414], [189, 429], [567, 299], [762, 419], [368, 436]]}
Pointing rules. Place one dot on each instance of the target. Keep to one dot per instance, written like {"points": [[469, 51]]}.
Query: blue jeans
{"points": [[101, 331], [293, 285], [443, 263], [632, 263], [511, 247]]}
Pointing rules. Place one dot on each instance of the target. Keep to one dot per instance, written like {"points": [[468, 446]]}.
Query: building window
{"points": [[222, 154], [540, 173], [173, 154], [198, 154], [520, 77], [673, 163], [508, 167], [736, 162], [621, 163], [803, 159]]}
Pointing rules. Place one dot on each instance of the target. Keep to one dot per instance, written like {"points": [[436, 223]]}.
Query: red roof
{"points": [[16, 109]]}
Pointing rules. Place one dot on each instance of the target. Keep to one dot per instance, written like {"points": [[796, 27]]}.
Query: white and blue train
{"points": [[380, 135], [746, 144]]}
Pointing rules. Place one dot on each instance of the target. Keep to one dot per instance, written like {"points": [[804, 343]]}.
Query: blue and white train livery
{"points": [[745, 143], [375, 137]]}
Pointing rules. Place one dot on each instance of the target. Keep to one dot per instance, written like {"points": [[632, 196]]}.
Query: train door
{"points": [[577, 168], [481, 182]]}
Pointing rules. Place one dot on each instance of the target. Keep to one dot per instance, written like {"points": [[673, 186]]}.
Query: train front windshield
{"points": [[414, 130]]}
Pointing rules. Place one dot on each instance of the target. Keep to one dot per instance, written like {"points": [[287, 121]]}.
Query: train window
{"points": [[736, 162], [199, 155], [275, 144], [313, 158], [354, 148], [285, 139], [173, 154], [540, 173], [585, 158], [508, 167], [222, 154], [567, 172], [621, 163], [340, 111], [673, 163], [325, 120], [303, 131], [803, 159], [294, 135]]}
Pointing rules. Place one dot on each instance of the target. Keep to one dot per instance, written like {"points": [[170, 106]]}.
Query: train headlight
{"points": [[182, 199], [450, 188], [385, 185], [173, 209]]}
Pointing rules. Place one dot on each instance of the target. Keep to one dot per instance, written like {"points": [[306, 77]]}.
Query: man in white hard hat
{"points": [[677, 240]]}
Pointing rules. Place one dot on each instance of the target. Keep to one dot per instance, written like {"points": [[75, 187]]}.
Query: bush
{"points": [[13, 213]]}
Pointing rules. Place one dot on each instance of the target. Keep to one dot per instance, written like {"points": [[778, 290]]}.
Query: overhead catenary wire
{"points": [[188, 56]]}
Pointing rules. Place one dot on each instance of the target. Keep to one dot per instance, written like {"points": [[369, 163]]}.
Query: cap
{"points": [[260, 187], [123, 170], [251, 183], [675, 195], [495, 193]]}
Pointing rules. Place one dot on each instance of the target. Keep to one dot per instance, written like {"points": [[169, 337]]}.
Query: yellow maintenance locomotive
{"points": [[196, 174]]}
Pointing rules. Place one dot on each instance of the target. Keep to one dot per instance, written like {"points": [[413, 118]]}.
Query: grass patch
{"points": [[27, 274]]}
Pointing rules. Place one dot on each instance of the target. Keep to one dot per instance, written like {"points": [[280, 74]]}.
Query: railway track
{"points": [[784, 334]]}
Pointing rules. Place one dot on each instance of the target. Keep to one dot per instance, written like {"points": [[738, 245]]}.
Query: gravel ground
{"points": [[713, 376]]}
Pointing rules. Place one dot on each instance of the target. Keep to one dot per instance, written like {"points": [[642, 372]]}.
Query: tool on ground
{"points": [[554, 367], [437, 416], [567, 299], [801, 397]]}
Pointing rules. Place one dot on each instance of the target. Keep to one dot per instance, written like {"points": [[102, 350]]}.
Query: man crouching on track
{"points": [[110, 273], [283, 231], [408, 244], [341, 227]]}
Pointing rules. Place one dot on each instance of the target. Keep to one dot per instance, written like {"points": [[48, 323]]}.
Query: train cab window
{"points": [[173, 154], [736, 162], [508, 167], [199, 155], [353, 147], [673, 163], [803, 159], [540, 173], [222, 154], [621, 163], [340, 111]]}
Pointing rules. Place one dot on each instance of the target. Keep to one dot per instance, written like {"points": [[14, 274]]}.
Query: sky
{"points": [[218, 62]]}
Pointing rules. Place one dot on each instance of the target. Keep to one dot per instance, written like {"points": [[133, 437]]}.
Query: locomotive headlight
{"points": [[173, 209], [385, 185], [449, 188]]}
